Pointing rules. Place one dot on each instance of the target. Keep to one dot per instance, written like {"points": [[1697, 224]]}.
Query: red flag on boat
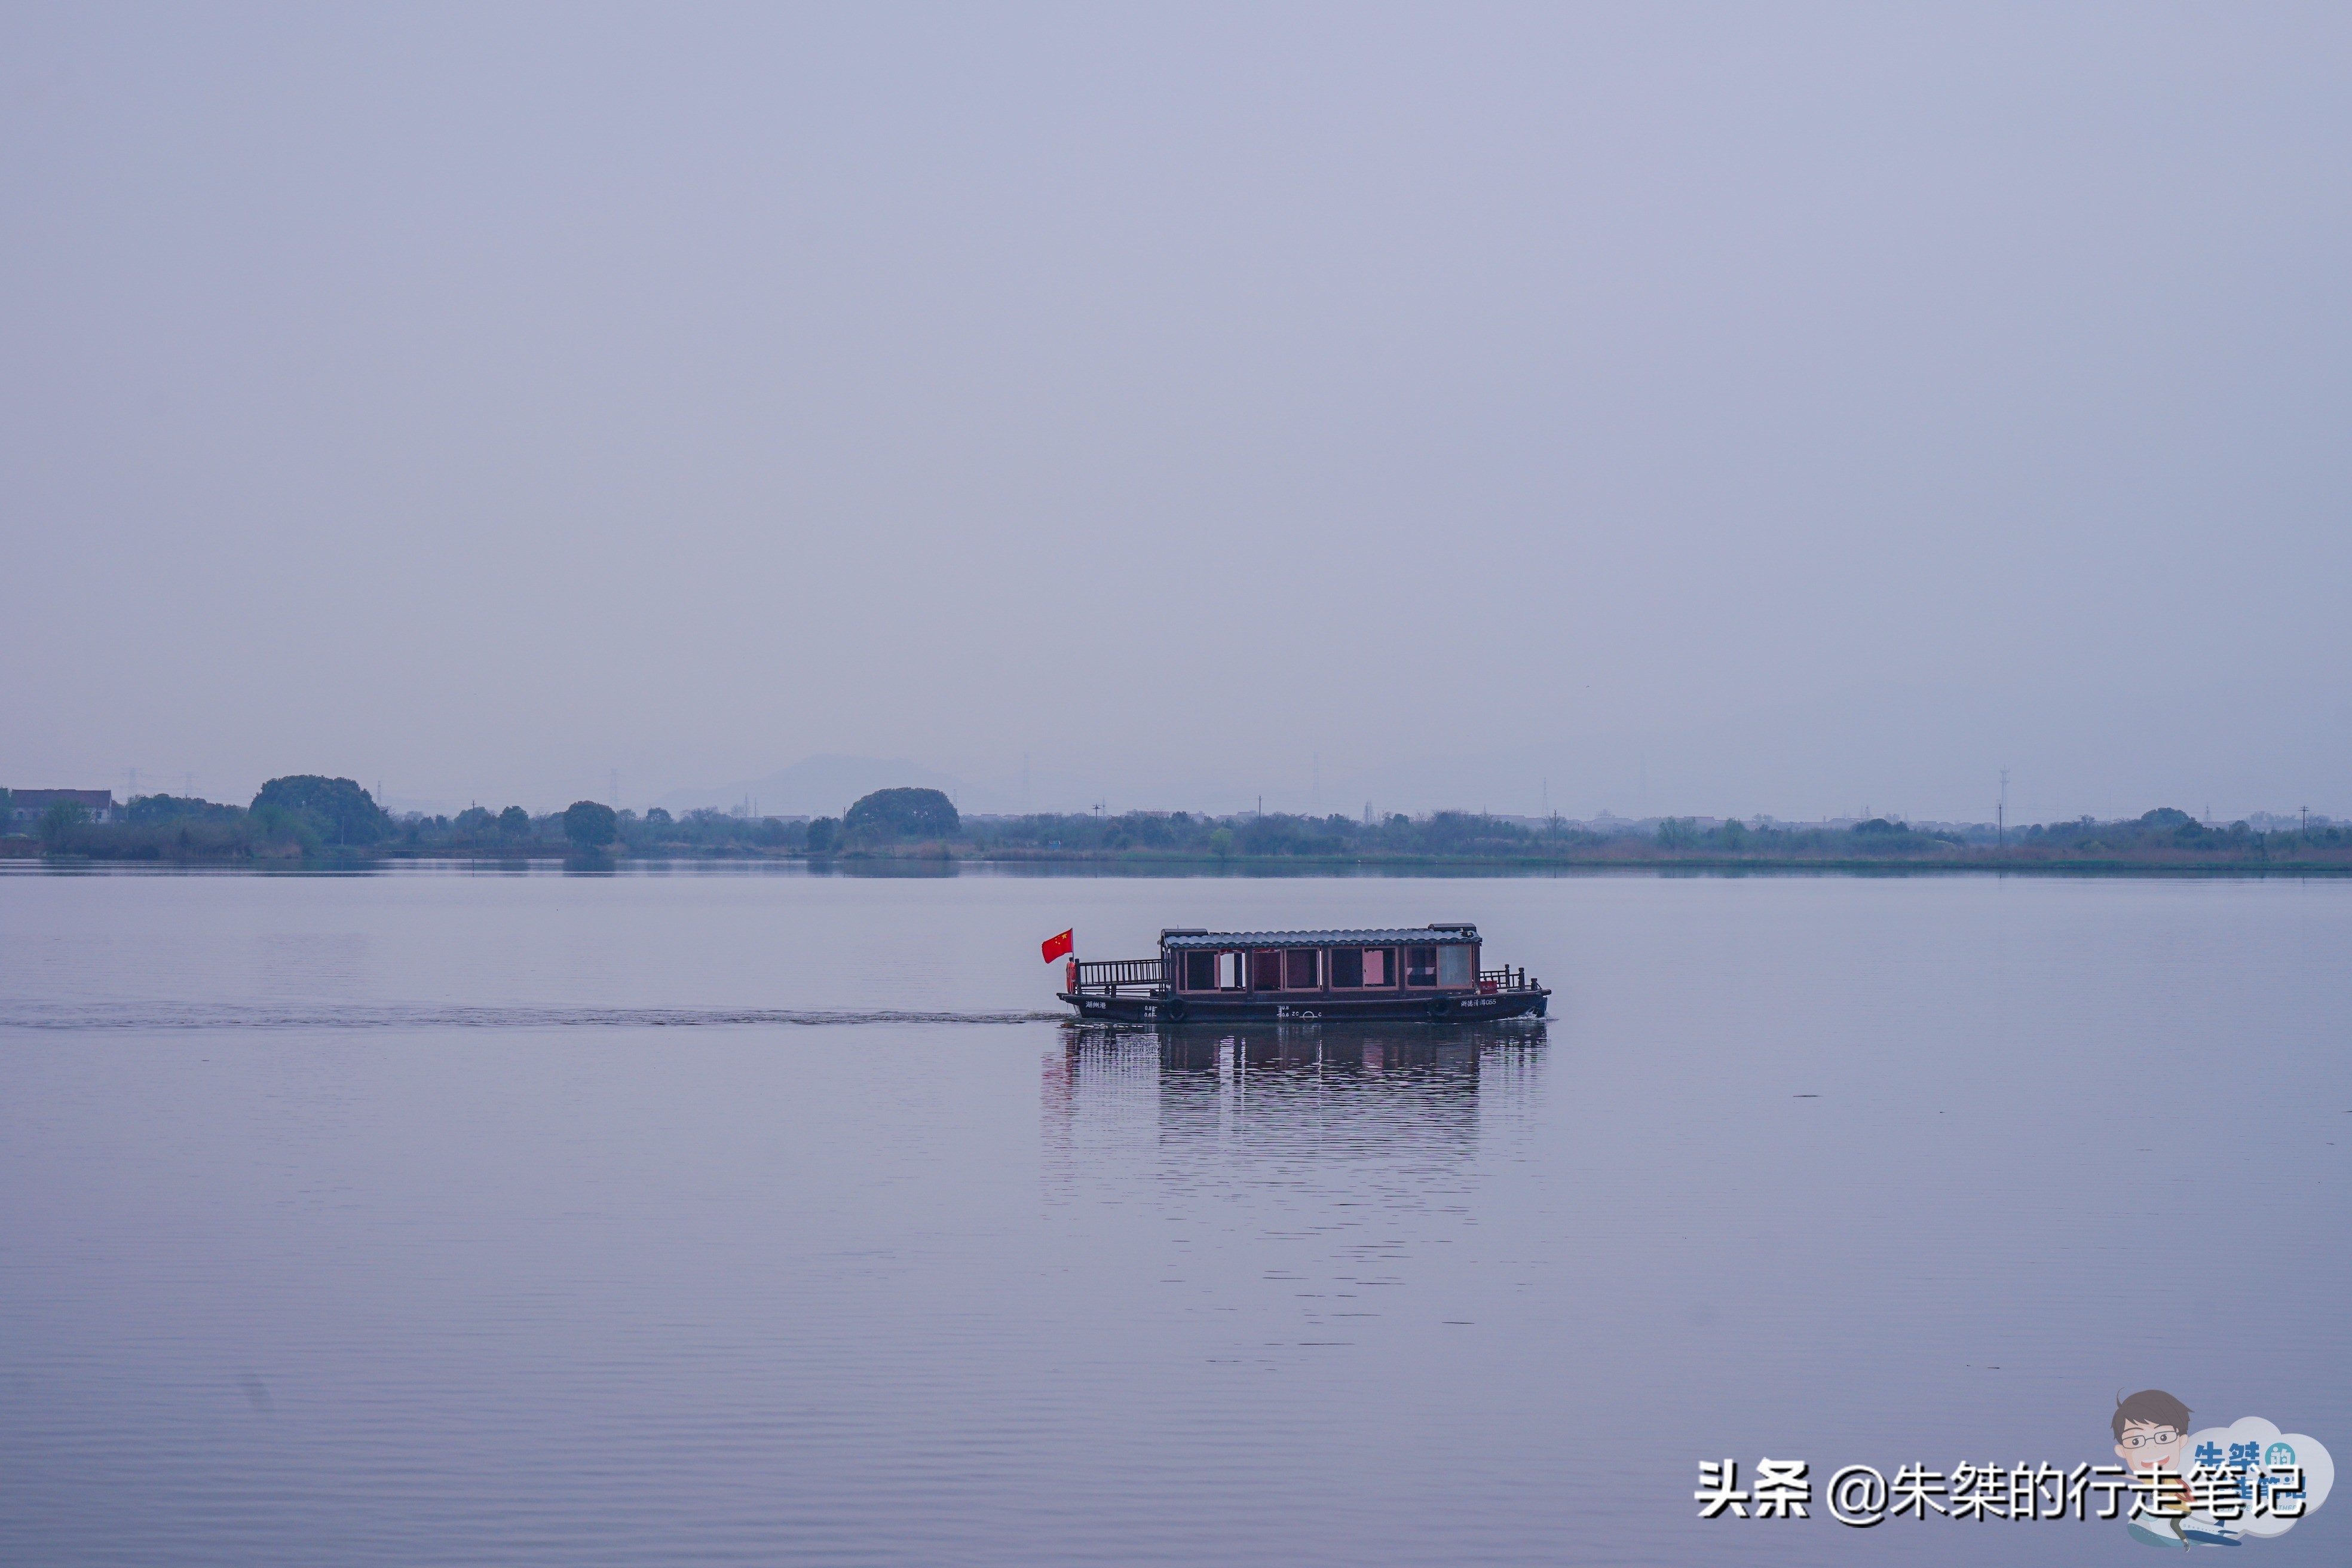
{"points": [[1055, 946]]}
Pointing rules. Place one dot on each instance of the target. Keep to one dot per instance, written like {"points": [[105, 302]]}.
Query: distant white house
{"points": [[25, 810]]}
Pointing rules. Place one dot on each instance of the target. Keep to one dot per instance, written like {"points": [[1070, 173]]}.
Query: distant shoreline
{"points": [[309, 817], [1636, 857]]}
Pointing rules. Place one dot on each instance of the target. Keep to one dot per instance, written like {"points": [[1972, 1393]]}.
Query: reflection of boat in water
{"points": [[1273, 1194], [1335, 1047], [1276, 1097], [1421, 972]]}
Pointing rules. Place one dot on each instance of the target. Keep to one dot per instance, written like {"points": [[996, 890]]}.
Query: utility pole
{"points": [[2306, 822], [2001, 812]]}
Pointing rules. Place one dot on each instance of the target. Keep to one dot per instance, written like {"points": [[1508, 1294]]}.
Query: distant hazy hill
{"points": [[821, 786]]}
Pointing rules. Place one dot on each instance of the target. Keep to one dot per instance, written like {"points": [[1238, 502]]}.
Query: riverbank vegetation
{"points": [[2163, 837], [309, 816]]}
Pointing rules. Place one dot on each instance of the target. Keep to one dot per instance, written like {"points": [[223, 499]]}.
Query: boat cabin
{"points": [[1426, 958], [1418, 972]]}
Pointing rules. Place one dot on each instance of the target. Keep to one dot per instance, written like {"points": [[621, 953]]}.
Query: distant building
{"points": [[25, 810]]}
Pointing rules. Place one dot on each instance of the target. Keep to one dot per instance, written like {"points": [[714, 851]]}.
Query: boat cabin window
{"points": [[1362, 966], [1456, 966], [1230, 974], [1266, 971], [1199, 972], [1300, 963], [1420, 966]]}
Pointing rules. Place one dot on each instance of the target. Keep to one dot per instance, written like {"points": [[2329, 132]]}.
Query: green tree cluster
{"points": [[58, 821], [897, 815], [2167, 829], [152, 808], [590, 825], [342, 813]]}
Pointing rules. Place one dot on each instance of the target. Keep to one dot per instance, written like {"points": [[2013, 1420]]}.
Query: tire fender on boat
{"points": [[1174, 1010], [1441, 1006]]}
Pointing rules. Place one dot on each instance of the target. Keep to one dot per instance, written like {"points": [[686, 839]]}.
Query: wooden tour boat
{"points": [[1429, 973]]}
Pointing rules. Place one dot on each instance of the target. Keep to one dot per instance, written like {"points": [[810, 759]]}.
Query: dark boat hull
{"points": [[1481, 1008]]}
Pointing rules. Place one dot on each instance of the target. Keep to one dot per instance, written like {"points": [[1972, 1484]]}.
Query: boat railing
{"points": [[1503, 979], [1108, 977]]}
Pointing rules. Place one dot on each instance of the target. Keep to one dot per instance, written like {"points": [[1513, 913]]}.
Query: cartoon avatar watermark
{"points": [[2247, 1479], [2149, 1428]]}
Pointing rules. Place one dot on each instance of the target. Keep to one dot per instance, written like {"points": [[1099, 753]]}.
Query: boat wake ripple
{"points": [[170, 1015]]}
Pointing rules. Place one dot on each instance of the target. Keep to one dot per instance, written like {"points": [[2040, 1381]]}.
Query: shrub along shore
{"points": [[312, 817]]}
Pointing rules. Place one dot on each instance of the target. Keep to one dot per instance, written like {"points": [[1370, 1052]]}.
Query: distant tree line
{"points": [[312, 815], [1451, 833], [2166, 835], [2169, 829]]}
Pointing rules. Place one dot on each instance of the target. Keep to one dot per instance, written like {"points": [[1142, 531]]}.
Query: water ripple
{"points": [[380, 1016]]}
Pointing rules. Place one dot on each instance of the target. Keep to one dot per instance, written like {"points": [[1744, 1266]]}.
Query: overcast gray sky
{"points": [[1737, 409]]}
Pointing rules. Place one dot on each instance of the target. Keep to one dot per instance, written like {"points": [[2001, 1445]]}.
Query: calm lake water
{"points": [[744, 1216]]}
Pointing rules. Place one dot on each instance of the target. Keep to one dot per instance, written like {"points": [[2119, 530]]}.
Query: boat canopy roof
{"points": [[1389, 936]]}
